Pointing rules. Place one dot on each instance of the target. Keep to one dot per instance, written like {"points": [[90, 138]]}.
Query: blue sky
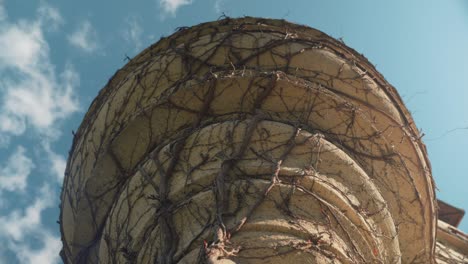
{"points": [[56, 55]]}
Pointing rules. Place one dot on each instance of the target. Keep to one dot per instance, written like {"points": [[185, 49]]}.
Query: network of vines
{"points": [[248, 141]]}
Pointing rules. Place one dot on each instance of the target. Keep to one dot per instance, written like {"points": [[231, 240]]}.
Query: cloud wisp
{"points": [[3, 14], [219, 6], [84, 37], [132, 33], [170, 6], [50, 16], [56, 162], [34, 95], [20, 226], [34, 98], [14, 172]]}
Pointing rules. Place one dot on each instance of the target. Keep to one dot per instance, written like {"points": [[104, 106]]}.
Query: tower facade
{"points": [[248, 141]]}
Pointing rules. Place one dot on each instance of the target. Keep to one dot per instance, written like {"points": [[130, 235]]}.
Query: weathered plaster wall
{"points": [[452, 245], [248, 141]]}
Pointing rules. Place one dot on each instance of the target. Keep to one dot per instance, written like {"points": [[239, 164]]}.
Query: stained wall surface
{"points": [[248, 141], [452, 245]]}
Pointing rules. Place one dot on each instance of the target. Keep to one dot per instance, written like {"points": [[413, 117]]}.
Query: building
{"points": [[251, 141], [452, 244]]}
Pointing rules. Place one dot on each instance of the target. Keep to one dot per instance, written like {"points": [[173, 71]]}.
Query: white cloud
{"points": [[171, 6], [57, 162], [15, 171], [219, 6], [21, 46], [85, 37], [19, 226], [34, 98], [33, 95], [132, 33], [58, 166], [48, 253], [4, 141], [3, 14], [22, 231], [38, 99], [50, 16]]}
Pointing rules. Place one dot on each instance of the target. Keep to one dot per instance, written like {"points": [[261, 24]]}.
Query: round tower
{"points": [[248, 141]]}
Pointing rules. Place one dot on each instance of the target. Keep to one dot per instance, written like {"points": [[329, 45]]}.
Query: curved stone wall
{"points": [[248, 141]]}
